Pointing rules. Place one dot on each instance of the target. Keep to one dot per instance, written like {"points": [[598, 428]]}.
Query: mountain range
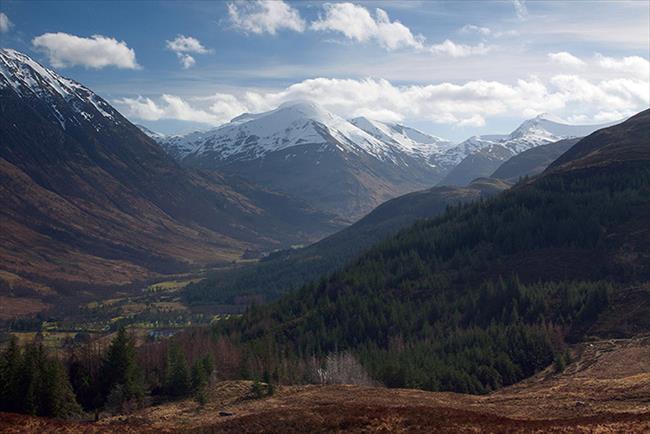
{"points": [[339, 166], [488, 293], [102, 201], [479, 156], [99, 202], [348, 167]]}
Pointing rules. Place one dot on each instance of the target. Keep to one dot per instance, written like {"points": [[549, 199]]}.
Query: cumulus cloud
{"points": [[355, 22], [264, 16], [452, 49], [520, 9], [634, 65], [5, 23], [182, 45], [567, 59], [186, 44], [468, 104], [64, 50]]}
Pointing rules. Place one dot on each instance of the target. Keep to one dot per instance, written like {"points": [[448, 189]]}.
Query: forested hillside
{"points": [[484, 295], [289, 269]]}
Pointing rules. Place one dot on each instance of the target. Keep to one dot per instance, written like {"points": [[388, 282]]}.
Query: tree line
{"points": [[91, 380]]}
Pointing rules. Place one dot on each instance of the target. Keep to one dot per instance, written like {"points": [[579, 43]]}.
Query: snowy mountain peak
{"points": [[549, 117], [406, 139], [294, 123], [540, 130], [29, 79]]}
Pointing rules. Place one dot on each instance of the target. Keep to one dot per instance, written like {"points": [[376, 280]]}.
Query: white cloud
{"points": [[355, 22], [633, 65], [520, 9], [186, 60], [468, 104], [186, 44], [5, 23], [471, 28], [182, 45], [170, 107], [63, 50], [264, 16], [452, 49], [567, 59]]}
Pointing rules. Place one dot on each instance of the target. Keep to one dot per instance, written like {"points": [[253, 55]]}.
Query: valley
{"points": [[329, 217]]}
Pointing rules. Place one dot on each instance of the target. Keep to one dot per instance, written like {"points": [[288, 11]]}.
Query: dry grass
{"points": [[607, 389]]}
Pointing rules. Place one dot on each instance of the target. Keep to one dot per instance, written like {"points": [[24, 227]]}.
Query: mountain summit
{"points": [[304, 150]]}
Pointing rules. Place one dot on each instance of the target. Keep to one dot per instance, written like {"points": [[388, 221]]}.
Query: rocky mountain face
{"points": [[94, 199], [299, 148], [479, 156]]}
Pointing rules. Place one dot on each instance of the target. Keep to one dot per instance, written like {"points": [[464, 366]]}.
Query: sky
{"points": [[453, 69]]}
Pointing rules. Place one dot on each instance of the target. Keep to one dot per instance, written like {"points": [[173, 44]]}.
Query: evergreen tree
{"points": [[35, 383], [120, 368], [178, 379]]}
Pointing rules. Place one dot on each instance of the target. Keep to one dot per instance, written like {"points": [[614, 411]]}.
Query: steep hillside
{"points": [[88, 198], [288, 269], [488, 293], [533, 161], [628, 142], [303, 150]]}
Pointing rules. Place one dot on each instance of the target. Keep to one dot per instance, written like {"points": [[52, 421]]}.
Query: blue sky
{"points": [[453, 69]]}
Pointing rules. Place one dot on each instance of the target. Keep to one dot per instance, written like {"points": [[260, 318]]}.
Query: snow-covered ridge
{"points": [[29, 78], [406, 139], [296, 123], [153, 134], [540, 130]]}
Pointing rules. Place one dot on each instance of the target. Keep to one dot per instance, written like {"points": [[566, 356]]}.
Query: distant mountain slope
{"points": [[533, 161], [87, 197], [404, 138], [478, 164], [479, 156], [486, 294], [302, 149], [629, 141], [287, 269], [154, 135]]}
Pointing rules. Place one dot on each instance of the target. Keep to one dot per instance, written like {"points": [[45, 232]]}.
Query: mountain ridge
{"points": [[99, 201]]}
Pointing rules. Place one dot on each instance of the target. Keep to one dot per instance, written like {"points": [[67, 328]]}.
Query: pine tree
{"points": [[178, 380], [121, 369]]}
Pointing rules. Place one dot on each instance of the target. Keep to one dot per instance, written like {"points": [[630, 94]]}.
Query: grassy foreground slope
{"points": [[486, 294]]}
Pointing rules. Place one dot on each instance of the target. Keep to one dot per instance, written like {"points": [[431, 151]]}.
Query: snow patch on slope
{"points": [[28, 78]]}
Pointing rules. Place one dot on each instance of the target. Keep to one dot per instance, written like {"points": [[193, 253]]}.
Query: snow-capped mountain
{"points": [[153, 134], [406, 139], [87, 196], [29, 79], [294, 123], [454, 155], [479, 156], [308, 152]]}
